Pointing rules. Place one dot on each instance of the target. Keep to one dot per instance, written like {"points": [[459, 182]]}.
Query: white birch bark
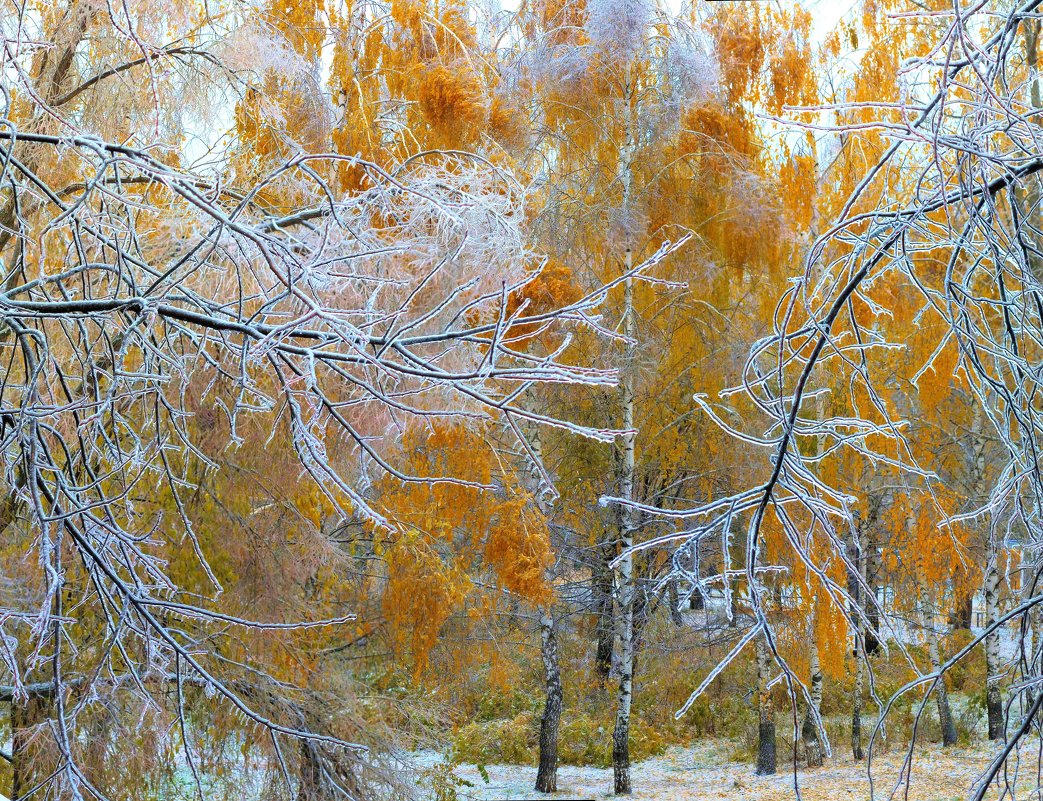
{"points": [[621, 733], [809, 734]]}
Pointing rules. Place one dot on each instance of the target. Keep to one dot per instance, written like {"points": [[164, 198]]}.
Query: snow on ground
{"points": [[704, 772]]}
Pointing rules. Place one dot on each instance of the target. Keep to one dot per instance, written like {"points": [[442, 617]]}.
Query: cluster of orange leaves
{"points": [[453, 540]]}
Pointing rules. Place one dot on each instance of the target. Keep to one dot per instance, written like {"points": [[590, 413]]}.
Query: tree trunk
{"points": [[941, 692], [674, 600], [1031, 643], [621, 732], [1031, 27], [547, 775], [75, 20], [991, 583], [809, 730], [605, 623], [961, 613], [856, 701], [867, 560], [766, 758], [872, 569], [993, 700], [547, 772], [857, 569]]}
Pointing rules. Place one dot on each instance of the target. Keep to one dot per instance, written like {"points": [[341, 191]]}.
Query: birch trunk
{"points": [[871, 568], [941, 692], [993, 699], [854, 588], [1031, 648], [625, 619], [547, 774], [621, 732], [990, 587], [674, 600], [809, 729], [1031, 27]]}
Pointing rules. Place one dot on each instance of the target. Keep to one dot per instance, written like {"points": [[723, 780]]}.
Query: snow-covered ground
{"points": [[705, 772]]}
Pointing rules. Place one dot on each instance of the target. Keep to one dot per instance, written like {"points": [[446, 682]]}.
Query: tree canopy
{"points": [[379, 373]]}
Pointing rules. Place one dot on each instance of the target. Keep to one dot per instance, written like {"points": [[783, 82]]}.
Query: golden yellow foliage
{"points": [[451, 102], [423, 590], [518, 550]]}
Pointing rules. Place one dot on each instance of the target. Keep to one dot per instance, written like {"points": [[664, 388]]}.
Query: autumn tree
{"points": [[192, 257], [956, 242], [647, 122]]}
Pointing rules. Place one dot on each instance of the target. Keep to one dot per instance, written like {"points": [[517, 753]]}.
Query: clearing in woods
{"points": [[705, 772]]}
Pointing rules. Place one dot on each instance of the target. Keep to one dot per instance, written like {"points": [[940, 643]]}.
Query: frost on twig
{"points": [[949, 215], [152, 317]]}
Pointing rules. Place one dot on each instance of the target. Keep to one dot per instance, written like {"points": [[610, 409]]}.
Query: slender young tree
{"points": [[642, 127], [766, 751]]}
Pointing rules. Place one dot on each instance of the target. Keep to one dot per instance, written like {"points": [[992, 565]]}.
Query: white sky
{"points": [[826, 13]]}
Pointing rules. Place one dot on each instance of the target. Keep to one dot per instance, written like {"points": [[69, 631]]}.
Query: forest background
{"points": [[388, 377]]}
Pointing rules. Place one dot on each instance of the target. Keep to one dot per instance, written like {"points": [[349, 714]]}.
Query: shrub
{"points": [[512, 741], [582, 740]]}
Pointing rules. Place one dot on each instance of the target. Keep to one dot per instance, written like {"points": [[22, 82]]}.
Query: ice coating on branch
{"points": [[618, 25], [253, 48], [626, 224], [691, 68], [564, 66]]}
